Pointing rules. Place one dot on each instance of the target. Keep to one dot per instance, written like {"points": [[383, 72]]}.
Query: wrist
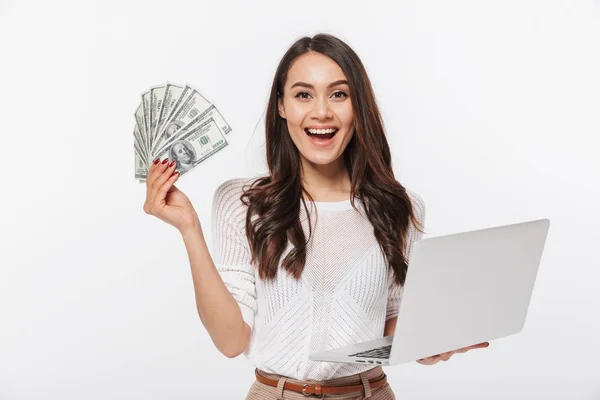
{"points": [[191, 229]]}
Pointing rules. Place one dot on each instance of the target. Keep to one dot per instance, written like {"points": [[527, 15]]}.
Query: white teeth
{"points": [[321, 131]]}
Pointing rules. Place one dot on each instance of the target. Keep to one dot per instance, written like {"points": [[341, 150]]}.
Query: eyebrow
{"points": [[308, 85]]}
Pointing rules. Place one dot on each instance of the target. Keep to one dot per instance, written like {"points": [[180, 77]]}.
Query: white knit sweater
{"points": [[345, 294]]}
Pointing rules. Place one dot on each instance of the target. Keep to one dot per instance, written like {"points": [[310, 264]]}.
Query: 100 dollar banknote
{"points": [[165, 117], [194, 146]]}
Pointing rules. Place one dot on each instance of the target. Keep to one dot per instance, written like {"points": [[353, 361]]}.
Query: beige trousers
{"points": [[261, 391]]}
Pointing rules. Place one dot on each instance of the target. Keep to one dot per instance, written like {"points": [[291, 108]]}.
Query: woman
{"points": [[313, 255]]}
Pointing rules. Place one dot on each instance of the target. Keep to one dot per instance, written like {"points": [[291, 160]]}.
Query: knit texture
{"points": [[345, 294]]}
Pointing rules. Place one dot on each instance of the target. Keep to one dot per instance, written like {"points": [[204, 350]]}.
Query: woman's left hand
{"points": [[446, 356]]}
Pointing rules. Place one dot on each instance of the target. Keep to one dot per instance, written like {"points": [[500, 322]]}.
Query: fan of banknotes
{"points": [[176, 122]]}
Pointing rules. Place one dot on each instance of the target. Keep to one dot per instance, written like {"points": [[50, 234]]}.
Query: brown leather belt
{"points": [[317, 389]]}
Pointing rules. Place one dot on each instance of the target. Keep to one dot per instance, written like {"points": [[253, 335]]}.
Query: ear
{"points": [[280, 107]]}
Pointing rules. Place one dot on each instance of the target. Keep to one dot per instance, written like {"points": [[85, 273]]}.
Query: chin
{"points": [[321, 160]]}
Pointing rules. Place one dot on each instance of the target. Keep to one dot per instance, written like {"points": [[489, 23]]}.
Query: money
{"points": [[140, 128], [172, 94], [179, 123], [190, 104], [157, 94], [146, 111], [194, 146]]}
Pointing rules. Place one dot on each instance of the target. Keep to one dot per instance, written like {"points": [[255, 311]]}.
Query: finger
{"points": [[433, 356], [162, 192], [434, 360], [446, 356], [151, 177], [162, 178], [430, 360], [156, 170], [153, 164], [475, 346]]}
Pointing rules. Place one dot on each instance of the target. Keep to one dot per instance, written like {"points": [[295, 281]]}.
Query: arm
{"points": [[395, 291], [217, 308], [390, 327]]}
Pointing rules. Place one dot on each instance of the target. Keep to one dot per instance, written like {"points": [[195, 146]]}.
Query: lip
{"points": [[321, 144], [322, 127]]}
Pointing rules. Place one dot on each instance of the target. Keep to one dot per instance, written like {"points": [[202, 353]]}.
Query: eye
{"points": [[299, 95], [343, 95]]}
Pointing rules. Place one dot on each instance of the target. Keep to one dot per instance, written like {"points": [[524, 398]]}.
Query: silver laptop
{"points": [[460, 290]]}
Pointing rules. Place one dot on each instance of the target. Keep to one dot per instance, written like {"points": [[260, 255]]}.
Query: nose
{"points": [[321, 109]]}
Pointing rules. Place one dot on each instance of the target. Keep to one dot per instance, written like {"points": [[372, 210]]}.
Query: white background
{"points": [[492, 113]]}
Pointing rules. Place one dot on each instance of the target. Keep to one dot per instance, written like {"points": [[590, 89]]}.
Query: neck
{"points": [[328, 182]]}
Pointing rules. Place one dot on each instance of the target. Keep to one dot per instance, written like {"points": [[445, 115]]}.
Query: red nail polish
{"points": [[156, 161], [172, 163], [165, 160]]}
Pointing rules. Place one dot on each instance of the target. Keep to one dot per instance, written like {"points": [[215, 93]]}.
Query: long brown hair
{"points": [[275, 199]]}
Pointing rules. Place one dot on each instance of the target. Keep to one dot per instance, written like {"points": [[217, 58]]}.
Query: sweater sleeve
{"points": [[231, 250], [395, 291]]}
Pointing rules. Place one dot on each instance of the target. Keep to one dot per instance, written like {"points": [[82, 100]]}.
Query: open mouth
{"points": [[321, 134]]}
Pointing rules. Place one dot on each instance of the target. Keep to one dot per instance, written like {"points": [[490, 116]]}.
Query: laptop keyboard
{"points": [[379, 352]]}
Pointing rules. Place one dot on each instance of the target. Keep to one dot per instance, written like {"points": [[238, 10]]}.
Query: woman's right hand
{"points": [[164, 200]]}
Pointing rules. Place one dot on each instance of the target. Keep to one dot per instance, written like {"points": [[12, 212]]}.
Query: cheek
{"points": [[295, 114], [346, 115]]}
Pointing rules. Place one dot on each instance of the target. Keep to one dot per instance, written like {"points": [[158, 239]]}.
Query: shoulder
{"points": [[226, 199], [229, 189], [418, 204], [232, 189]]}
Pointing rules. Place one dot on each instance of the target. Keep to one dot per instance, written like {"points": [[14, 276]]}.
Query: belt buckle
{"points": [[310, 394]]}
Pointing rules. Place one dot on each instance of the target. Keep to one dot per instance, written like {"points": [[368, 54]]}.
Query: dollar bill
{"points": [[140, 124], [140, 153], [176, 122], [146, 109], [141, 169], [189, 108], [211, 112], [167, 123], [140, 160], [195, 146], [157, 94], [172, 94], [138, 142]]}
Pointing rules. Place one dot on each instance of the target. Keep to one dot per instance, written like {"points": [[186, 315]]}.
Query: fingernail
{"points": [[165, 160], [172, 163], [156, 161]]}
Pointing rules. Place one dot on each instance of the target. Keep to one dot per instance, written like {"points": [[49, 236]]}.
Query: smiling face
{"points": [[316, 95]]}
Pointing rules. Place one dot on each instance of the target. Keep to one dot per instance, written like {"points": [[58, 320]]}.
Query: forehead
{"points": [[314, 68]]}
